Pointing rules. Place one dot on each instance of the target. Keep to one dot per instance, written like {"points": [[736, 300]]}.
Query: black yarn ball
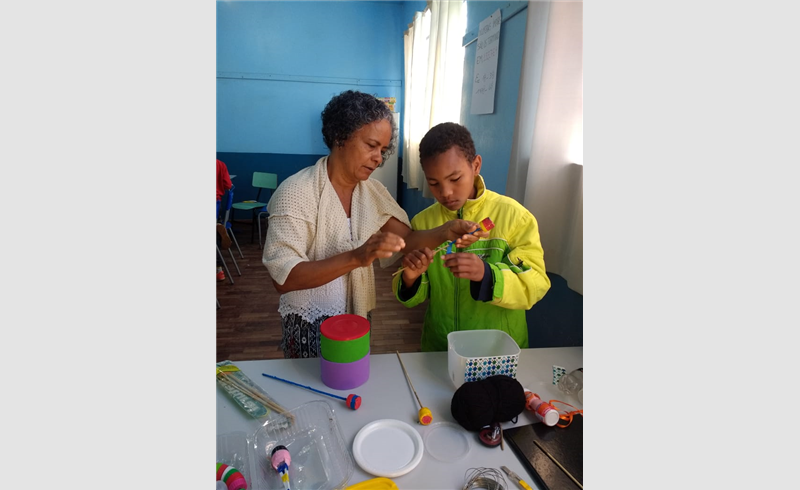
{"points": [[480, 403]]}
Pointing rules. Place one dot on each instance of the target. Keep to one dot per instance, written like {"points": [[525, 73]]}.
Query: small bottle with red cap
{"points": [[544, 411]]}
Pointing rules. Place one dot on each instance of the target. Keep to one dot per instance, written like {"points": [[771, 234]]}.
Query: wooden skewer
{"points": [[438, 249], [409, 379], [240, 386], [554, 460], [247, 390], [258, 398]]}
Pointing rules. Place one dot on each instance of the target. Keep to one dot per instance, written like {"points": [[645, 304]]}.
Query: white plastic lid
{"points": [[446, 442], [551, 417]]}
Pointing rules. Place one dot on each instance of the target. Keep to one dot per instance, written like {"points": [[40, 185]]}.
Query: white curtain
{"points": [[546, 168], [434, 63]]}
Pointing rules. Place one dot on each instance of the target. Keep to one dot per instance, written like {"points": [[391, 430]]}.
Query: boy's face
{"points": [[451, 177]]}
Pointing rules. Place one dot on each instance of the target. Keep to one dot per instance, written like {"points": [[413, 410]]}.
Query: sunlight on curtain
{"points": [[434, 63], [546, 168]]}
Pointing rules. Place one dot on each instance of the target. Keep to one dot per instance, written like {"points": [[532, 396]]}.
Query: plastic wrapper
{"points": [[232, 449], [320, 458], [248, 395]]}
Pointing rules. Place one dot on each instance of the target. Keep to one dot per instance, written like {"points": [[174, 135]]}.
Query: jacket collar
{"points": [[480, 196]]}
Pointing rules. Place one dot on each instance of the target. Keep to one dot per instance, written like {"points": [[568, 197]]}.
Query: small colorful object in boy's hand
{"points": [[485, 225], [232, 477]]}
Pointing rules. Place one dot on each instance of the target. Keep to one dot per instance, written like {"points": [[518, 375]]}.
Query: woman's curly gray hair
{"points": [[349, 111]]}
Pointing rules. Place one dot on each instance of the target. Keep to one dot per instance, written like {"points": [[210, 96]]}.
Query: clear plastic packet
{"points": [[232, 450], [320, 459], [248, 395]]}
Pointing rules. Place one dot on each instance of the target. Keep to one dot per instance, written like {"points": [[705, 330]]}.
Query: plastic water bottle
{"points": [[572, 383]]}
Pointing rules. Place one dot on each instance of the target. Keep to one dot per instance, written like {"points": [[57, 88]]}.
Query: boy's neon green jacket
{"points": [[515, 256]]}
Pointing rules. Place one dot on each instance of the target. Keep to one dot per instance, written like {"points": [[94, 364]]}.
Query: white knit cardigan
{"points": [[307, 222]]}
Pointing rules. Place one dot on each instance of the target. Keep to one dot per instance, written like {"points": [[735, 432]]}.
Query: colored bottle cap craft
{"points": [[281, 459], [485, 225], [233, 478]]}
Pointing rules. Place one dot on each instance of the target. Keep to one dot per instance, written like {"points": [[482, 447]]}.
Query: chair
{"points": [[228, 200], [261, 181], [226, 218]]}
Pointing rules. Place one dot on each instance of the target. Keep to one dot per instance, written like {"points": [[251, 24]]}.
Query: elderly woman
{"points": [[329, 222]]}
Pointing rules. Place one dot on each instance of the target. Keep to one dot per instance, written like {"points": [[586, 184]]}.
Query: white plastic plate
{"points": [[388, 448]]}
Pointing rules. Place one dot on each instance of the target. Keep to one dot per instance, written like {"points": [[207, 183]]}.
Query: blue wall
{"points": [[279, 63], [493, 133]]}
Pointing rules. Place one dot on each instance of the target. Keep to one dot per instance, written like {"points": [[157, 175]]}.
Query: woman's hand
{"points": [[415, 263], [379, 246], [465, 265], [459, 230]]}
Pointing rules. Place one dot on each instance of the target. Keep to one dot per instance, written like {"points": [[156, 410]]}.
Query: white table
{"points": [[386, 395]]}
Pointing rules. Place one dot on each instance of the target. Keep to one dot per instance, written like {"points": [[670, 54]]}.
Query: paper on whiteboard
{"points": [[484, 77]]}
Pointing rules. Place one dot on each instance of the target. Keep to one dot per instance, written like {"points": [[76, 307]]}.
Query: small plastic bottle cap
{"points": [[425, 416], [353, 401], [551, 418]]}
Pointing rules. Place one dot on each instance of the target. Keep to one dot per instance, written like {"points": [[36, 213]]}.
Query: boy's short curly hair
{"points": [[444, 136], [349, 111]]}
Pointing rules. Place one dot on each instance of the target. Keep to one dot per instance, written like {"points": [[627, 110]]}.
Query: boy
{"points": [[489, 284]]}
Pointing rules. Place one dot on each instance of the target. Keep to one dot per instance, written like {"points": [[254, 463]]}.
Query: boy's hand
{"points": [[416, 262], [465, 265], [379, 246], [459, 230]]}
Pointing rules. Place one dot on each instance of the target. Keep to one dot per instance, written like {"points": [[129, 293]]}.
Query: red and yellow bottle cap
{"points": [[486, 224], [425, 416]]}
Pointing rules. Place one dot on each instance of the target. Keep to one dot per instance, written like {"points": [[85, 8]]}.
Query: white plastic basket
{"points": [[473, 355]]}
